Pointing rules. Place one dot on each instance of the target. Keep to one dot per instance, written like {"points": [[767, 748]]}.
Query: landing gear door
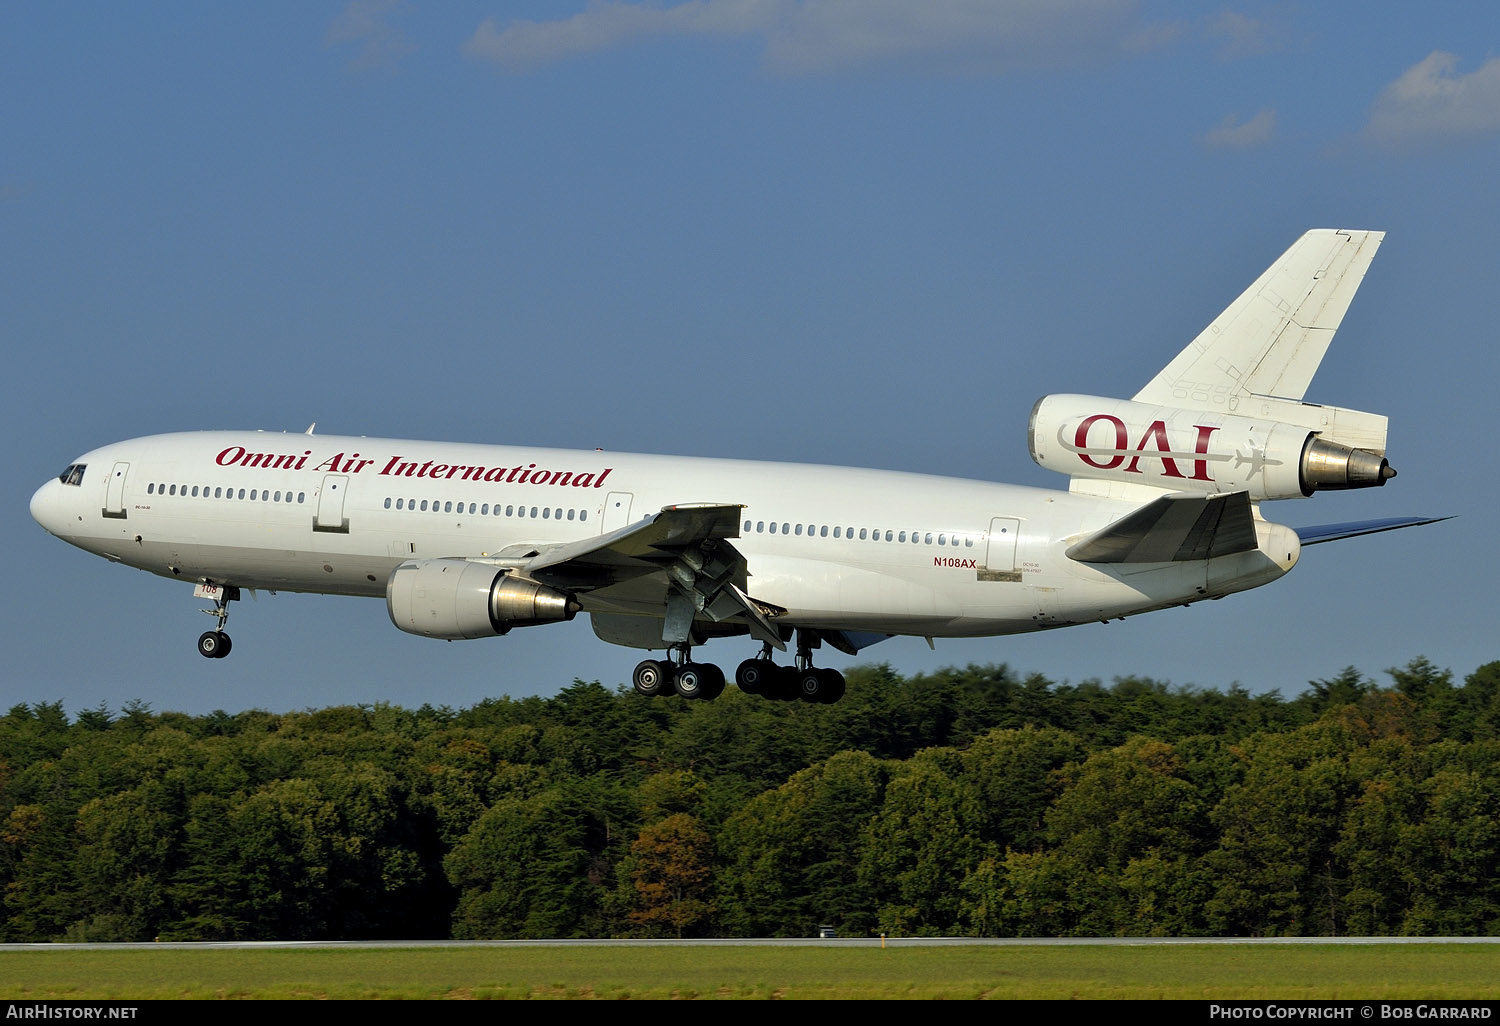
{"points": [[114, 499], [331, 505], [616, 512]]}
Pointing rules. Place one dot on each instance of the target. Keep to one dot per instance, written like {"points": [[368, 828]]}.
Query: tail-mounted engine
{"points": [[1278, 449], [460, 598]]}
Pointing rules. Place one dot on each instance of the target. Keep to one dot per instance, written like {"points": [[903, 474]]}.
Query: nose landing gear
{"points": [[215, 644]]}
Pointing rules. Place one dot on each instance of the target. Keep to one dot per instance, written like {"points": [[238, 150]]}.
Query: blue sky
{"points": [[861, 232]]}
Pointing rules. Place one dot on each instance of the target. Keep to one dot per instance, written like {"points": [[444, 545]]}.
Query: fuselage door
{"points": [[616, 512], [331, 505], [114, 498], [1000, 550]]}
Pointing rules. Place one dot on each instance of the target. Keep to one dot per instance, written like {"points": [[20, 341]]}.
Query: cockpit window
{"points": [[73, 475]]}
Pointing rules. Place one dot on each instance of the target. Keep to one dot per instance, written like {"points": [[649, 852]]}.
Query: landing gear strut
{"points": [[215, 644]]}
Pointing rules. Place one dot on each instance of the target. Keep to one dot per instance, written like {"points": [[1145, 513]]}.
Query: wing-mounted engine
{"points": [[461, 598], [1271, 448]]}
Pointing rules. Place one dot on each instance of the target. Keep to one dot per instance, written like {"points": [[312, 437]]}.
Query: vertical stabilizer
{"points": [[1270, 340]]}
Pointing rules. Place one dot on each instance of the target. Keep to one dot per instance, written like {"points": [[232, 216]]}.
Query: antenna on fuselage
{"points": [[310, 428]]}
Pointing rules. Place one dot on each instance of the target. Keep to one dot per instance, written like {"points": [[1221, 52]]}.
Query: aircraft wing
{"points": [[1177, 527], [1333, 532], [700, 574], [1271, 339]]}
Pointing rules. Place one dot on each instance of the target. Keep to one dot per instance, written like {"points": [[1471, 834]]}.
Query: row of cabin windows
{"points": [[483, 509], [864, 533], [220, 492]]}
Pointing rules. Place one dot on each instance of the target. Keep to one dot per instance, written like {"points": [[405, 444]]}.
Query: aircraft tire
{"points": [[810, 684], [713, 683], [651, 678], [213, 645], [753, 675], [692, 680], [782, 685], [834, 687]]}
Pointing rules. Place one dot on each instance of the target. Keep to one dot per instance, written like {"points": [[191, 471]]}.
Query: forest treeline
{"points": [[966, 802]]}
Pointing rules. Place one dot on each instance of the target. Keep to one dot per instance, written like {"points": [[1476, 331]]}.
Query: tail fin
{"points": [[1270, 340]]}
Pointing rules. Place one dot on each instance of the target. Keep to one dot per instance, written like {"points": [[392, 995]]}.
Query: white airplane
{"points": [[665, 553]]}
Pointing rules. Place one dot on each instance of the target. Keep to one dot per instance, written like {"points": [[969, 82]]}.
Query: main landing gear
{"points": [[680, 676], [759, 676], [215, 644]]}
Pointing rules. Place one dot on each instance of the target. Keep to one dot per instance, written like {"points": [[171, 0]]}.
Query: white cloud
{"points": [[1430, 99], [365, 22], [802, 36], [1243, 35], [1233, 133]]}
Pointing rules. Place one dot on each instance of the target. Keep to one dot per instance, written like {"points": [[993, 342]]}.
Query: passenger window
{"points": [[887, 536], [823, 531], [533, 512], [799, 530], [242, 493], [583, 514], [151, 488], [546, 513], [836, 531], [760, 527], [301, 496], [786, 528], [387, 502], [773, 527], [218, 492], [861, 534], [571, 512], [929, 537]]}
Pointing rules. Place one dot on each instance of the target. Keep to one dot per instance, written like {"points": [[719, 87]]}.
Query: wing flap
{"points": [[649, 540], [1178, 527], [700, 573]]}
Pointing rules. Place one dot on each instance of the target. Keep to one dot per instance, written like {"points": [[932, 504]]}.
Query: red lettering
{"points": [[1157, 433], [1200, 446], [1081, 440], [225, 460]]}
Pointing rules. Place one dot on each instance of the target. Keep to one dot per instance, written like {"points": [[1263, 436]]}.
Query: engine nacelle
{"points": [[1199, 450], [459, 598]]}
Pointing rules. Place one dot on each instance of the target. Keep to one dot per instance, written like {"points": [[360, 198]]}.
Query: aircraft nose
{"points": [[46, 507]]}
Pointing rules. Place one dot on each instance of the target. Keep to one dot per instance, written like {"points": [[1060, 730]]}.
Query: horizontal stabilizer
{"points": [[1333, 532], [1178, 527]]}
